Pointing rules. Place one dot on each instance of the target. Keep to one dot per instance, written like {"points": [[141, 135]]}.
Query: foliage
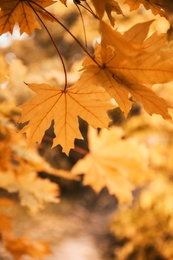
{"points": [[110, 164], [145, 230], [18, 173], [122, 69]]}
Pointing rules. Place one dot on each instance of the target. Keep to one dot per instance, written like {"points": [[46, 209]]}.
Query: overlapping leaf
{"points": [[23, 13], [156, 6], [130, 67], [107, 6], [64, 107]]}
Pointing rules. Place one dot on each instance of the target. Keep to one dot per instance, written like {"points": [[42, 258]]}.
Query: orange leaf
{"points": [[64, 2], [113, 162], [24, 246], [128, 68], [5, 223], [156, 6], [64, 107], [33, 191], [137, 33], [22, 12], [107, 6]]}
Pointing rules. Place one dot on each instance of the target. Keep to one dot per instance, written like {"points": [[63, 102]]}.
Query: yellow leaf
{"points": [[125, 68], [22, 12], [116, 163], [138, 33], [156, 6], [155, 42], [33, 191], [64, 107], [116, 40], [150, 101], [107, 6]]}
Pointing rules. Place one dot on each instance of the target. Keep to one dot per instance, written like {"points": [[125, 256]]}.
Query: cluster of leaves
{"points": [[144, 231], [19, 167], [18, 174], [18, 246], [122, 65], [121, 70]]}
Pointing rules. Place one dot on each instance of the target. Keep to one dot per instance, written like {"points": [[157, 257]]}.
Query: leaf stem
{"points": [[83, 25], [65, 28], [52, 40], [89, 9], [80, 150]]}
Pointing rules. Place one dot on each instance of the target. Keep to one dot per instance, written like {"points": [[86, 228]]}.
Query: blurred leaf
{"points": [[114, 162]]}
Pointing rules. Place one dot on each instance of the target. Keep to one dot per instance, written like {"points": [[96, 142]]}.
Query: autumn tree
{"points": [[125, 68]]}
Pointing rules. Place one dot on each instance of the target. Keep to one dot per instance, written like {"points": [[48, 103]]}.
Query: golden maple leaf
{"points": [[107, 6], [22, 12], [126, 67], [156, 6], [113, 162], [64, 107]]}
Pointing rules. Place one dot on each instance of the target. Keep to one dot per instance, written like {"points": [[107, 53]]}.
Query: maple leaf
{"points": [[156, 6], [107, 6], [114, 163], [22, 12], [19, 166], [64, 107], [137, 33], [33, 191], [126, 68]]}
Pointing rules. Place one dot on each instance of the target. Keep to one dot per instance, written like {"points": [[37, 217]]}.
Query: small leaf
{"points": [[156, 6], [107, 6], [22, 12]]}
